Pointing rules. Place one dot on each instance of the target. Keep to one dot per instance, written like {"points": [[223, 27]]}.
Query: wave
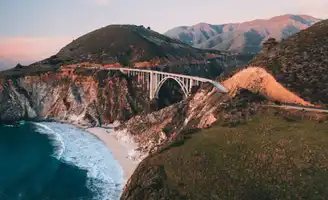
{"points": [[56, 139], [78, 147]]}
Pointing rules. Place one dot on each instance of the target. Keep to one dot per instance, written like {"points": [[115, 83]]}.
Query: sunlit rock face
{"points": [[84, 96]]}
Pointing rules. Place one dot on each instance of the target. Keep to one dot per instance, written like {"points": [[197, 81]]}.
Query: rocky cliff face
{"points": [[200, 110], [79, 96], [150, 130]]}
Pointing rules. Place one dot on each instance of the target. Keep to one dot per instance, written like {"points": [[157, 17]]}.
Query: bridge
{"points": [[156, 79]]}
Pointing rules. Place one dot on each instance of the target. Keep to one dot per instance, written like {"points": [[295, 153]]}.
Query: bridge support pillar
{"points": [[191, 83], [153, 84]]}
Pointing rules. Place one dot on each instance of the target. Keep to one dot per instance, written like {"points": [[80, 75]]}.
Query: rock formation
{"points": [[79, 96]]}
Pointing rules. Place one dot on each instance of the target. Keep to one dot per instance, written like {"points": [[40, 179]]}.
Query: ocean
{"points": [[53, 161]]}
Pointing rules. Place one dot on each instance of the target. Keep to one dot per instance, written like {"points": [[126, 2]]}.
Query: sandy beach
{"points": [[122, 149]]}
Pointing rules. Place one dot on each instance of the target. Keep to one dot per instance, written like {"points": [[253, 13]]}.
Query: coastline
{"points": [[122, 150]]}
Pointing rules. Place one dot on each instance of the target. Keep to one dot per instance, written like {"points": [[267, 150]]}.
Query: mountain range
{"points": [[246, 37]]}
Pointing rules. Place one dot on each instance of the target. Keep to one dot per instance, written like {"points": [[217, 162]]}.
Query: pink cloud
{"points": [[27, 49]]}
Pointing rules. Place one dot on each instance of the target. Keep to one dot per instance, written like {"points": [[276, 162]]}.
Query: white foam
{"points": [[56, 138], [85, 151]]}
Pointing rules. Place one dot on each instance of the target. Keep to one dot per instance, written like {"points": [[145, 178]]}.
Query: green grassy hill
{"points": [[272, 155]]}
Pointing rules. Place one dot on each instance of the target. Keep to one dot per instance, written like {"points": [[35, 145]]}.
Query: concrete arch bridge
{"points": [[156, 79]]}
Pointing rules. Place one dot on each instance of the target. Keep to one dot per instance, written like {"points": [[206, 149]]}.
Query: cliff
{"points": [[75, 95], [201, 110]]}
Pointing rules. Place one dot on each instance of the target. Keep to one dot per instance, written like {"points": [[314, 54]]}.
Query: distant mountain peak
{"points": [[246, 37]]}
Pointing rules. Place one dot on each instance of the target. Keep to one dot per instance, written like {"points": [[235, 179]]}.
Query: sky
{"points": [[31, 30]]}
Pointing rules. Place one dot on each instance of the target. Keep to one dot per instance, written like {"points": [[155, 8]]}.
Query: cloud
{"points": [[101, 2], [31, 49]]}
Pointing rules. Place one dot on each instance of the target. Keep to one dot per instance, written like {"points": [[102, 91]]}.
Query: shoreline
{"points": [[122, 151]]}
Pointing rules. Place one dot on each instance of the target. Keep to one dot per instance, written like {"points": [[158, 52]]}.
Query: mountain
{"points": [[122, 43], [244, 37], [137, 46], [128, 45], [300, 62], [55, 79], [6, 64]]}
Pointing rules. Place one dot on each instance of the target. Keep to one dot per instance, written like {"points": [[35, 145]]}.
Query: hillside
{"points": [[129, 45], [236, 146], [235, 149], [246, 37], [119, 43], [300, 62], [136, 46], [269, 157]]}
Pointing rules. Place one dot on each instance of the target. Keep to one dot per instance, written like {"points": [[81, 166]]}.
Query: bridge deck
{"points": [[195, 78]]}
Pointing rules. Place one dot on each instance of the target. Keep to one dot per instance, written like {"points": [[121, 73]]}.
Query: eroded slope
{"points": [[258, 80]]}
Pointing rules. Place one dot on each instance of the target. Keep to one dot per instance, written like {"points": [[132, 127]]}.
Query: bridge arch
{"points": [[181, 84], [154, 80]]}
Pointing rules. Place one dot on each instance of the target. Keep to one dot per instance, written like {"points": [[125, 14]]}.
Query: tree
{"points": [[270, 43]]}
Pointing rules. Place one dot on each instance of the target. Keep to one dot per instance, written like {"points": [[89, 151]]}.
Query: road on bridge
{"points": [[299, 108]]}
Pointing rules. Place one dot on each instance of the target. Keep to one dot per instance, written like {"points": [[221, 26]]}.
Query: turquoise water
{"points": [[53, 161]]}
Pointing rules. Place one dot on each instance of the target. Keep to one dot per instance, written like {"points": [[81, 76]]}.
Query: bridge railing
{"points": [[163, 73], [196, 78]]}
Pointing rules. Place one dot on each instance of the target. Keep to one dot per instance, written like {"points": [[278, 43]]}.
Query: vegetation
{"points": [[270, 43], [64, 80], [27, 71], [272, 156], [300, 62], [125, 44]]}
